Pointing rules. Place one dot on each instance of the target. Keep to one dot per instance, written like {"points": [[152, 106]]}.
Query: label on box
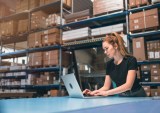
{"points": [[151, 54], [138, 45], [136, 21], [136, 27], [47, 77], [157, 55]]}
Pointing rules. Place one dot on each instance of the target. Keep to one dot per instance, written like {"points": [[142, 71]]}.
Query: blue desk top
{"points": [[75, 105]]}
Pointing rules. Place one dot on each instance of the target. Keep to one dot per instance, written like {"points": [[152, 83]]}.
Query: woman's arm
{"points": [[125, 87], [107, 84]]}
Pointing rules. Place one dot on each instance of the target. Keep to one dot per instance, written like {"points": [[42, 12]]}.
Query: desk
{"points": [[75, 105]]}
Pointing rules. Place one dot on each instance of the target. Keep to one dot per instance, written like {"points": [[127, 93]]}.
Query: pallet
{"points": [[50, 65], [22, 33], [50, 44], [146, 29], [52, 25], [36, 66], [109, 12], [37, 46], [78, 19], [37, 29], [74, 40], [138, 5]]}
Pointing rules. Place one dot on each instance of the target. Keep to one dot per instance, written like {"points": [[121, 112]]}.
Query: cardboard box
{"points": [[155, 92], [144, 20], [50, 39], [132, 3], [155, 72], [139, 49], [145, 67], [155, 78], [23, 26], [33, 4], [155, 66], [34, 40]]}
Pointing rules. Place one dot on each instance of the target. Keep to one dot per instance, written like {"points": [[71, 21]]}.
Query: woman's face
{"points": [[109, 50]]}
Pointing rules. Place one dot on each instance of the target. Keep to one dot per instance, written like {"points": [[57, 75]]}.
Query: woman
{"points": [[121, 69]]}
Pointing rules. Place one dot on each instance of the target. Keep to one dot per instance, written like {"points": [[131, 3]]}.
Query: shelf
{"points": [[84, 44], [149, 62], [14, 39], [150, 83], [144, 7], [46, 48], [14, 77], [47, 69], [21, 53], [119, 17], [16, 16], [50, 86], [147, 33]]}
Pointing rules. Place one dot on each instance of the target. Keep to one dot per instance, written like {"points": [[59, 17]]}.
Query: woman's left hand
{"points": [[99, 93]]}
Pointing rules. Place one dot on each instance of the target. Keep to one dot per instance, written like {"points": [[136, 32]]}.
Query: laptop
{"points": [[73, 87]]}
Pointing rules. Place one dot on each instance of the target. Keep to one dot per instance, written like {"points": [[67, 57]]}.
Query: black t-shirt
{"points": [[118, 73]]}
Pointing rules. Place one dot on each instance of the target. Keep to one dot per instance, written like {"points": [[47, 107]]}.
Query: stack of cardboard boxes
{"points": [[38, 20], [9, 28], [105, 6], [143, 50], [153, 50], [48, 59], [35, 59], [22, 5], [145, 20], [23, 26], [34, 40], [151, 73], [4, 10], [51, 37]]}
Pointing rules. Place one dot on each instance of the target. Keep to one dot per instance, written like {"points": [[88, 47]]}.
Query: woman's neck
{"points": [[118, 59]]}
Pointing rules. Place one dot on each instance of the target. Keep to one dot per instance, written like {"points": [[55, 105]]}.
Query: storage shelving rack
{"points": [[94, 22], [55, 7], [149, 36]]}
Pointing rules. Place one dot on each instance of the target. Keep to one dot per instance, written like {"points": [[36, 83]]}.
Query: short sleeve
{"points": [[132, 65], [107, 68]]}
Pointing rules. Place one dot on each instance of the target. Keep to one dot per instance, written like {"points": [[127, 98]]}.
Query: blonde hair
{"points": [[115, 38]]}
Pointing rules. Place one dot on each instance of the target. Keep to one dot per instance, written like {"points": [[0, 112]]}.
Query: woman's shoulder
{"points": [[130, 58]]}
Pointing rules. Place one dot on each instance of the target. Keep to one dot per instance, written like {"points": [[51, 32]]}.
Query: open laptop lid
{"points": [[72, 86]]}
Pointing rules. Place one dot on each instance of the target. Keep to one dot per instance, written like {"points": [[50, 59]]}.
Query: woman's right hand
{"points": [[87, 92]]}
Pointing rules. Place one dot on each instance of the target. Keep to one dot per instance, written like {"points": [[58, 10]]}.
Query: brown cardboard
{"points": [[152, 21], [139, 49], [132, 3], [155, 92], [155, 78], [51, 39], [138, 2], [33, 4], [155, 66], [34, 40], [145, 67], [155, 72], [144, 2]]}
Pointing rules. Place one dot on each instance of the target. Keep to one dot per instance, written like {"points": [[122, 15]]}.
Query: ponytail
{"points": [[115, 38]]}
